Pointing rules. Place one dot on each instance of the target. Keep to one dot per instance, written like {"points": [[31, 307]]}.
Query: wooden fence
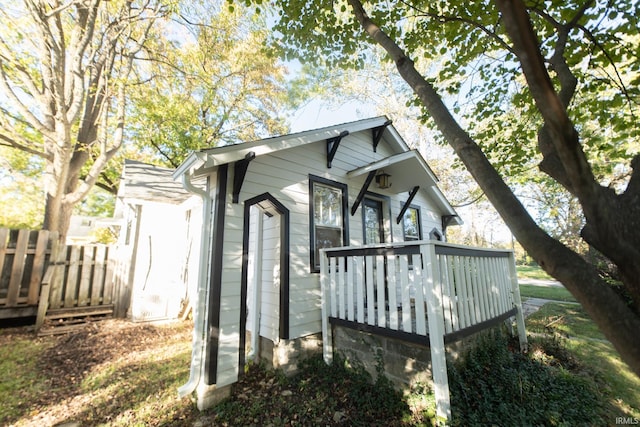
{"points": [[24, 254], [39, 277]]}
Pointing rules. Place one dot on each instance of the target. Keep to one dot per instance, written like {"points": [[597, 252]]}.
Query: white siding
{"points": [[164, 250], [285, 175]]}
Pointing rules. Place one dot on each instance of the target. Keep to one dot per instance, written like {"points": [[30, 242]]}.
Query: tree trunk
{"points": [[616, 320]]}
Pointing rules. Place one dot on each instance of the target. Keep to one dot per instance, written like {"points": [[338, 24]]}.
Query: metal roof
{"points": [[143, 181]]}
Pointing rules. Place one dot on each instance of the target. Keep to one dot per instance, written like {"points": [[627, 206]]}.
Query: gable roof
{"points": [[211, 157], [408, 165], [143, 181]]}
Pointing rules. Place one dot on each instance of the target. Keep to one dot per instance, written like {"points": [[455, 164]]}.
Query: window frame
{"points": [[419, 225], [313, 180]]}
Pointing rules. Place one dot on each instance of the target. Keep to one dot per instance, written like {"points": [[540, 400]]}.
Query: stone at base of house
{"points": [[405, 364], [209, 396], [285, 354]]}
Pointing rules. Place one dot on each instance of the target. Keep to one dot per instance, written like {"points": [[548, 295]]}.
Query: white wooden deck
{"points": [[431, 292]]}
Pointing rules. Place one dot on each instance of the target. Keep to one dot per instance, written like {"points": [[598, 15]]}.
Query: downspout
{"points": [[200, 320]]}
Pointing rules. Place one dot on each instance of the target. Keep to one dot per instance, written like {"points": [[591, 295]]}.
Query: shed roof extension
{"points": [[146, 182]]}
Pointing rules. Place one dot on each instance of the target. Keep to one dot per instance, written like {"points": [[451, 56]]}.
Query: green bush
{"points": [[494, 385]]}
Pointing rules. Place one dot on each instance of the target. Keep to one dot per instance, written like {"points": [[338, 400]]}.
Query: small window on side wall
{"points": [[327, 216], [411, 224]]}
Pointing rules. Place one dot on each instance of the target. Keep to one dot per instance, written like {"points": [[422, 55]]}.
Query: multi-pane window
{"points": [[411, 224], [328, 207]]}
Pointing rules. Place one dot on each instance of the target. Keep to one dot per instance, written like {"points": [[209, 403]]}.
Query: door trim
{"points": [[269, 205], [387, 226]]}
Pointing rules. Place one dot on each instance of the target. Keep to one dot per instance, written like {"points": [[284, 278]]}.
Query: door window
{"points": [[373, 222]]}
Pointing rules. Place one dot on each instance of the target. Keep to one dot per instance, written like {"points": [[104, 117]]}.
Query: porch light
{"points": [[382, 179]]}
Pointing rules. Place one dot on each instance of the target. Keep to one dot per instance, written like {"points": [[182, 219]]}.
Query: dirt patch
{"points": [[69, 361], [75, 354]]}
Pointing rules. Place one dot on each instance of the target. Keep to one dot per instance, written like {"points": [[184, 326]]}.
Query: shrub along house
{"points": [[339, 228]]}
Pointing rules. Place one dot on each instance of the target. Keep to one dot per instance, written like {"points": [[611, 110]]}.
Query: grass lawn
{"points": [[585, 341], [546, 292], [121, 374], [532, 272]]}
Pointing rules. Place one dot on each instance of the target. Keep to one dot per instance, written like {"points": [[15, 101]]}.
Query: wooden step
{"points": [[79, 312], [62, 321]]}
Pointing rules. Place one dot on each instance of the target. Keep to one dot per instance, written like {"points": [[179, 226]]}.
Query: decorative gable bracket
{"points": [[446, 220], [363, 191], [239, 172], [332, 146], [406, 205], [377, 134]]}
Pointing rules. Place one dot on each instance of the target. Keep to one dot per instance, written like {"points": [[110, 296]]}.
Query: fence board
{"points": [[88, 253], [39, 260], [109, 290], [17, 269], [97, 281], [71, 285], [4, 238]]}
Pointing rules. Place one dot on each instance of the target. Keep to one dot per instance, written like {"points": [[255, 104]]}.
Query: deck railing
{"points": [[427, 291]]}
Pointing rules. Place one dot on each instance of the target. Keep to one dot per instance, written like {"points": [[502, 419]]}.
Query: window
{"points": [[411, 224], [328, 216], [373, 222]]}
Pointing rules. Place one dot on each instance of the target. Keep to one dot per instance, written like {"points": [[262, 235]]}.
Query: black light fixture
{"points": [[382, 179]]}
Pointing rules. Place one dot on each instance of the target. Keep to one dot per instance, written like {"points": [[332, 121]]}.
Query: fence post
{"points": [[517, 301], [48, 279], [435, 316], [43, 304]]}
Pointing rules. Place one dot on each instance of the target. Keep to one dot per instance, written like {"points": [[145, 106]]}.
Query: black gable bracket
{"points": [[446, 220], [412, 194], [332, 146], [377, 134], [239, 172], [363, 191]]}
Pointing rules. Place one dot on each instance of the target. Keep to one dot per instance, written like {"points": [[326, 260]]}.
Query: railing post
{"points": [[436, 330], [327, 338], [517, 301]]}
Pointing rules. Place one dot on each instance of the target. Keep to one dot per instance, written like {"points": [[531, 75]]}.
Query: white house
{"points": [[270, 206]]}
